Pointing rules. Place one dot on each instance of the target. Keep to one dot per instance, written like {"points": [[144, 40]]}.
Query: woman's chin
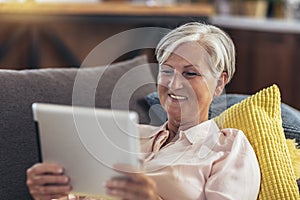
{"points": [[183, 123], [177, 116]]}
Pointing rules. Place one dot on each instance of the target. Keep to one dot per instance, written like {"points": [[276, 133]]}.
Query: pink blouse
{"points": [[200, 163]]}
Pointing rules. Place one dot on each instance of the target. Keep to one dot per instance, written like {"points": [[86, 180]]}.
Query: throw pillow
{"points": [[295, 157], [259, 117]]}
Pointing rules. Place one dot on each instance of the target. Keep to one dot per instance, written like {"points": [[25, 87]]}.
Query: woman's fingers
{"points": [[53, 190], [48, 196], [135, 186], [128, 190], [47, 181], [46, 174], [42, 168]]}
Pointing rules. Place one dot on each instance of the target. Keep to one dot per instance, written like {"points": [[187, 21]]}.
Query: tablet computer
{"points": [[87, 142]]}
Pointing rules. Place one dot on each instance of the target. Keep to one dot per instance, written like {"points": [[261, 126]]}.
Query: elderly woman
{"points": [[188, 157]]}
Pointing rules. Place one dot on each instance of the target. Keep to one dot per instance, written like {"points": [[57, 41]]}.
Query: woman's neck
{"points": [[175, 126]]}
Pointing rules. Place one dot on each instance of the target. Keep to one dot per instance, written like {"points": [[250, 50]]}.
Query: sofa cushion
{"points": [[19, 89]]}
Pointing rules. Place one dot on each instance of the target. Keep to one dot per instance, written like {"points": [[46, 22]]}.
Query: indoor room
{"points": [[120, 56]]}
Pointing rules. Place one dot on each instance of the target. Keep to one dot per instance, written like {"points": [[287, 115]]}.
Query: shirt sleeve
{"points": [[236, 174]]}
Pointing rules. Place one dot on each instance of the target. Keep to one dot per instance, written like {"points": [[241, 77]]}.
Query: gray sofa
{"points": [[19, 89], [97, 86]]}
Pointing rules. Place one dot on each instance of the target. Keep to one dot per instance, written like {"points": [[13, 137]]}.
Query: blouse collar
{"points": [[200, 131], [195, 133]]}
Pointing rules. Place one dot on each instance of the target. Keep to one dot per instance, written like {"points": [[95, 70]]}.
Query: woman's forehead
{"points": [[190, 52], [190, 48]]}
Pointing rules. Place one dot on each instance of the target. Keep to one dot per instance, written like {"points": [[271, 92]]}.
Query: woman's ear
{"points": [[221, 82]]}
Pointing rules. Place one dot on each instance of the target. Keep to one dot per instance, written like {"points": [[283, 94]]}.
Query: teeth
{"points": [[177, 97]]}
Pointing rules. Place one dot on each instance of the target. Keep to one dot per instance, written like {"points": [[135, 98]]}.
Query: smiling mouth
{"points": [[177, 97]]}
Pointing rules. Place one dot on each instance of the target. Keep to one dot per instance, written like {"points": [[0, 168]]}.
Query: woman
{"points": [[188, 157]]}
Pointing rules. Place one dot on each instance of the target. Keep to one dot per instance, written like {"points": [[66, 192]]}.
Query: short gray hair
{"points": [[215, 41]]}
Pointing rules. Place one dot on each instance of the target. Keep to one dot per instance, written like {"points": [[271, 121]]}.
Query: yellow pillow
{"points": [[259, 117], [295, 156]]}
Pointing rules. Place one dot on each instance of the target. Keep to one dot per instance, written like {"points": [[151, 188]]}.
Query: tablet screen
{"points": [[87, 142]]}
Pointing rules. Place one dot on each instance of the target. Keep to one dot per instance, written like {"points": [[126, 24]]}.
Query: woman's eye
{"points": [[190, 74], [166, 71]]}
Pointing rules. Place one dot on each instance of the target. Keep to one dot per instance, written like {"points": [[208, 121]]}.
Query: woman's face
{"points": [[186, 84]]}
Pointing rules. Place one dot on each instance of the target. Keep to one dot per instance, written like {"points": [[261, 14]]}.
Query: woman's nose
{"points": [[176, 81]]}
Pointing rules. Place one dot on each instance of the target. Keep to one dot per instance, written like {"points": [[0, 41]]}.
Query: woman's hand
{"points": [[47, 181], [134, 186]]}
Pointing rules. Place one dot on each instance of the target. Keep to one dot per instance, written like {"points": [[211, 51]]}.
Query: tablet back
{"points": [[87, 142]]}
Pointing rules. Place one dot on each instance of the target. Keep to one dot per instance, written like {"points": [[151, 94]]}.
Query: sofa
{"points": [[102, 86]]}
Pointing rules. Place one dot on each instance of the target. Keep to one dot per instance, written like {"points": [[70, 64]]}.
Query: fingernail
{"points": [[60, 170], [66, 179]]}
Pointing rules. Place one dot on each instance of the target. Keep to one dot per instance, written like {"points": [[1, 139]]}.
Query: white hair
{"points": [[216, 42]]}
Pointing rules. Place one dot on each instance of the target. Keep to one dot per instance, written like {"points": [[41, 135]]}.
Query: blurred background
{"points": [[53, 34]]}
